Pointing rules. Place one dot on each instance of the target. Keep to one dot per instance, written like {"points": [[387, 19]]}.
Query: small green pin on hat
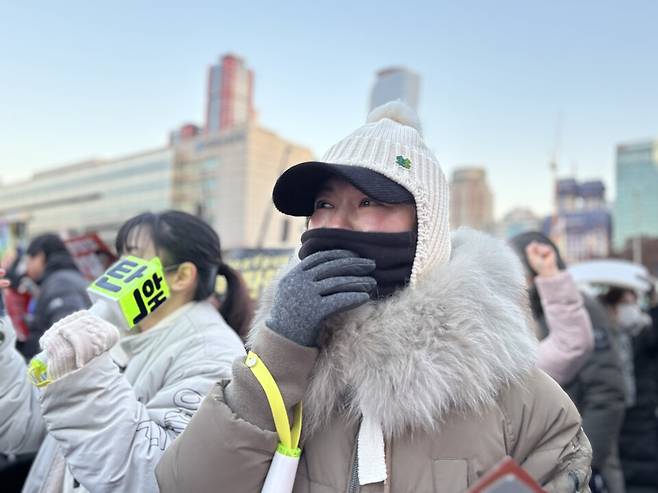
{"points": [[403, 161]]}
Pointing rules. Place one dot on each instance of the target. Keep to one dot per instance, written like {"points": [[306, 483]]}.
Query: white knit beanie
{"points": [[391, 143]]}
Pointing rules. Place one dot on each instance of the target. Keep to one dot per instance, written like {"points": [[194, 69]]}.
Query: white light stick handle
{"points": [[281, 476]]}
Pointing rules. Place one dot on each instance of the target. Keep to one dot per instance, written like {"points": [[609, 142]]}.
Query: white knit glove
{"points": [[75, 340]]}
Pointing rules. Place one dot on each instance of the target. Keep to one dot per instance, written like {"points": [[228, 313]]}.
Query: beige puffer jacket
{"points": [[447, 368]]}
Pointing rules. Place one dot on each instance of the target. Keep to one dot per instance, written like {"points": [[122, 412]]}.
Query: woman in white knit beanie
{"points": [[407, 345]]}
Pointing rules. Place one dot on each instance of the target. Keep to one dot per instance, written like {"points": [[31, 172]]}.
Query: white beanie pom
{"points": [[397, 111]]}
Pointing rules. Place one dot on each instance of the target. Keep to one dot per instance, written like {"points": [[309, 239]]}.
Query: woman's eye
{"points": [[321, 204], [366, 203]]}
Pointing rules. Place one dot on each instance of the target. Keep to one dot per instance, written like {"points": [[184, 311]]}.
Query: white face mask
{"points": [[631, 318]]}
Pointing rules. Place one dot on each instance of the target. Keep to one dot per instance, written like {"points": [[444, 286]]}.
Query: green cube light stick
{"points": [[124, 295]]}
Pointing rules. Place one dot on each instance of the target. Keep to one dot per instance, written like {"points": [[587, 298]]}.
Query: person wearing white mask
{"points": [[637, 340]]}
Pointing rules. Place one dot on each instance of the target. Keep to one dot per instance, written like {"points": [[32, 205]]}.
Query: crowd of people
{"points": [[422, 357]]}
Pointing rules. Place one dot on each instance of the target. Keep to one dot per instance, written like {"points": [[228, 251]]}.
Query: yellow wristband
{"points": [[37, 372], [288, 437]]}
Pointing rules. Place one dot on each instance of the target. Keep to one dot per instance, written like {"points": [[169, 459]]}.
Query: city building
{"points": [[89, 196], [224, 174], [227, 178], [642, 250], [185, 132], [581, 225], [636, 205], [517, 221], [471, 200], [396, 83], [230, 94]]}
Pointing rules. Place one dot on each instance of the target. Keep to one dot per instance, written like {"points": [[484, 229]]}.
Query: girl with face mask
{"points": [[629, 322], [628, 313], [117, 401], [637, 338], [407, 345]]}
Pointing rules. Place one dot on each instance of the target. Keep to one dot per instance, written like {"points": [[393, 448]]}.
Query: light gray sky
{"points": [[81, 79]]}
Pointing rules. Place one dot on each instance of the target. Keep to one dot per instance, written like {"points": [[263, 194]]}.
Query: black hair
{"points": [[236, 304], [613, 296], [56, 255], [48, 244], [181, 237]]}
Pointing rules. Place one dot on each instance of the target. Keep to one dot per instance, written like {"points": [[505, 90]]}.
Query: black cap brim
{"points": [[296, 189]]}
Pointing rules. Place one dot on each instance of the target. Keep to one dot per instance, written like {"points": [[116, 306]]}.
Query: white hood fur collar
{"points": [[449, 344]]}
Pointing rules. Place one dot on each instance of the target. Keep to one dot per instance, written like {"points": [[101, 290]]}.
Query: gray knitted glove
{"points": [[322, 284]]}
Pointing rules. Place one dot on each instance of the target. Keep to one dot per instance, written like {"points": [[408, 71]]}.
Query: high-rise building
{"points": [[230, 94], [396, 83], [636, 207], [581, 224], [517, 221], [471, 200]]}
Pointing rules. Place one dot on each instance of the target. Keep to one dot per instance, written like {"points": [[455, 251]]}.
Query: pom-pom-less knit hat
{"points": [[390, 144]]}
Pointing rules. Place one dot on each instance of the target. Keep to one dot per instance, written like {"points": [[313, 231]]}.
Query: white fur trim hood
{"points": [[448, 344]]}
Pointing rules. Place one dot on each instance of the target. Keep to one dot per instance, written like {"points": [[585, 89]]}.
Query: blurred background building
{"points": [[517, 221], [227, 179], [223, 174], [89, 196], [185, 132], [636, 207], [396, 83], [581, 225], [230, 94], [471, 200]]}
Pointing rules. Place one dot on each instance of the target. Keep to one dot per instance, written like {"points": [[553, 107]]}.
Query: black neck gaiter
{"points": [[393, 253]]}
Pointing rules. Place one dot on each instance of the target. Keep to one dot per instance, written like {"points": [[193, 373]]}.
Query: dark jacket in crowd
{"points": [[598, 389], [62, 291], [638, 443]]}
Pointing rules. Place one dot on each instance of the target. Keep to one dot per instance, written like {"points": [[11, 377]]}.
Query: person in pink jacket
{"points": [[570, 339], [576, 349]]}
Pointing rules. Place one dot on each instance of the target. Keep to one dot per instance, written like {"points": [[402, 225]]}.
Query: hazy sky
{"points": [[81, 79]]}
